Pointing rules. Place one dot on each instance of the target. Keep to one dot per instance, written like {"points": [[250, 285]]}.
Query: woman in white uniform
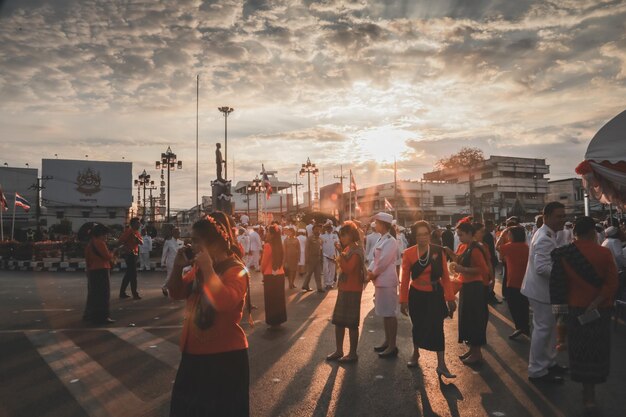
{"points": [[382, 271]]}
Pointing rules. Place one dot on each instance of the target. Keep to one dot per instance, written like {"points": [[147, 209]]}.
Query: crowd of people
{"points": [[566, 273]]}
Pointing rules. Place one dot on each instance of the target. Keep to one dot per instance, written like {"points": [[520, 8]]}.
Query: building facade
{"points": [[571, 193], [501, 186]]}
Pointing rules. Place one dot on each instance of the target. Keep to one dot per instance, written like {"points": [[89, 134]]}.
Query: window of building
{"points": [[60, 214], [461, 200], [486, 175], [563, 197], [112, 214], [86, 214], [438, 201], [532, 196], [509, 195], [376, 205]]}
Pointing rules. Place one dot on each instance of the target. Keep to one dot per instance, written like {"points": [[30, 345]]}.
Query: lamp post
{"points": [[143, 181], [309, 169], [226, 111], [255, 186], [169, 162]]}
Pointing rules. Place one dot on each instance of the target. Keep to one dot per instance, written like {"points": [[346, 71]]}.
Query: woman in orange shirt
{"points": [[583, 283], [515, 254], [347, 312], [470, 264], [274, 278], [213, 375], [98, 260], [430, 298]]}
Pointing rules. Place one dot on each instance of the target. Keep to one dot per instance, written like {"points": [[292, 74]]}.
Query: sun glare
{"points": [[383, 144]]}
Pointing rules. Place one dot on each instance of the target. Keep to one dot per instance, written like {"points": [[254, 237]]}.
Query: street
{"points": [[52, 364]]}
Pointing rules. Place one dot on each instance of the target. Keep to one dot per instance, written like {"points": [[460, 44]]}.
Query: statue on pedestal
{"points": [[219, 161]]}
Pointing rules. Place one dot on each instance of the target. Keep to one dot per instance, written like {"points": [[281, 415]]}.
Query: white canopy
{"points": [[609, 144]]}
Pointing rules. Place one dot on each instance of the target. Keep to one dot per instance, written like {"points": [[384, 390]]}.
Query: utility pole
{"points": [[395, 189], [197, 117], [38, 187], [341, 177], [296, 185], [226, 111]]}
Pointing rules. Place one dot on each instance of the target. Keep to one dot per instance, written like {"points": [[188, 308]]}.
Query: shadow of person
{"points": [[420, 388], [453, 395]]}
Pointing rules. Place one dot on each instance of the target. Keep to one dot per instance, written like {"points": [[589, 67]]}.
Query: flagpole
{"points": [[1, 220], [395, 189], [13, 222]]}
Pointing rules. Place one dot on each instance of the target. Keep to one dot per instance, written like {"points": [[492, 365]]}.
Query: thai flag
{"points": [[388, 205], [3, 201], [22, 202], [352, 182], [266, 183]]}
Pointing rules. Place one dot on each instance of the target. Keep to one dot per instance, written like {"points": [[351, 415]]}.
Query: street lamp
{"points": [[255, 186], [226, 111], [309, 169], [168, 161], [143, 181]]}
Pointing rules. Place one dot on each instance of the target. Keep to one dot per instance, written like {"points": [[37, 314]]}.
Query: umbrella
{"points": [[604, 169]]}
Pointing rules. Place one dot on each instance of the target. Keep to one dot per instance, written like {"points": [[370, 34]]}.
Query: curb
{"points": [[40, 266]]}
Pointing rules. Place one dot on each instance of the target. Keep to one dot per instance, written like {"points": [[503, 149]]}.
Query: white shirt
{"points": [[370, 242], [302, 240], [536, 284], [170, 247], [309, 230], [255, 241], [384, 263], [328, 245], [245, 219], [402, 245], [146, 246], [615, 245], [564, 237], [244, 241]]}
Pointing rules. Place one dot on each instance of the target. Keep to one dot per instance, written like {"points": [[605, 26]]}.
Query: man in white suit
{"points": [[370, 242], [255, 248], [542, 366]]}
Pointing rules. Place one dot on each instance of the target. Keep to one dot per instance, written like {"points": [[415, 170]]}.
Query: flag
{"points": [[266, 183], [22, 202], [356, 204], [388, 205], [3, 201], [352, 182]]}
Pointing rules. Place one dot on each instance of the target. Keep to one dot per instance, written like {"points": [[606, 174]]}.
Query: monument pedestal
{"points": [[221, 196]]}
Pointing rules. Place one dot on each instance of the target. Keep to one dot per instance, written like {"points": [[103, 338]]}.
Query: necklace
{"points": [[419, 258]]}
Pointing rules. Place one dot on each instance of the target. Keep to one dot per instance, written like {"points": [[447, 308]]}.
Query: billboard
{"points": [[75, 183]]}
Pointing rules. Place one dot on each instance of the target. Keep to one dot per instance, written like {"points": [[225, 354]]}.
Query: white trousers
{"points": [[254, 259], [144, 260], [329, 272], [543, 339]]}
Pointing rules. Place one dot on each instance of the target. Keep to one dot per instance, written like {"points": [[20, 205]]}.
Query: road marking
{"points": [[157, 347], [95, 389], [46, 310]]}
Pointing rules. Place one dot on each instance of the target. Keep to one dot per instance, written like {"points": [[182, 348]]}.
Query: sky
{"points": [[349, 84]]}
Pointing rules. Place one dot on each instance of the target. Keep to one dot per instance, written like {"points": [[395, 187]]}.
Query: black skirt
{"points": [[472, 314], [98, 296], [427, 311], [274, 295], [589, 346], [347, 312], [212, 385]]}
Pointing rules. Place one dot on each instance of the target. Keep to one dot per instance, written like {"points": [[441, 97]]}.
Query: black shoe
{"points": [[548, 378], [558, 369], [136, 297], [381, 348], [164, 291], [392, 354], [122, 296], [306, 289], [516, 334]]}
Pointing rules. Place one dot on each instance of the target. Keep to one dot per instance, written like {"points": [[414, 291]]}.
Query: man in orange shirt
{"points": [[129, 246]]}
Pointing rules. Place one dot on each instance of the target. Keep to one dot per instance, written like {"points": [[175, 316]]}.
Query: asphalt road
{"points": [[51, 364]]}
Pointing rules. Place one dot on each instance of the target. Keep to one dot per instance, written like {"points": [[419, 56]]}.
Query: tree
{"points": [[465, 158]]}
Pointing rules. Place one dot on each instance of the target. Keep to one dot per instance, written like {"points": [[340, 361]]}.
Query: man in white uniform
{"points": [[170, 248], [382, 271], [244, 241], [302, 239], [329, 239], [542, 366], [370, 241], [144, 251], [255, 248], [245, 220]]}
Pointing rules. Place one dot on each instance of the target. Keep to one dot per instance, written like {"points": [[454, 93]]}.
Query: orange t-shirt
{"points": [[516, 259], [266, 262], [130, 239], [477, 261], [225, 334], [98, 258], [422, 283], [579, 292], [352, 268]]}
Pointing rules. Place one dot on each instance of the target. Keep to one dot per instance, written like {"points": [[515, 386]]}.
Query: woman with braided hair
{"points": [[213, 375]]}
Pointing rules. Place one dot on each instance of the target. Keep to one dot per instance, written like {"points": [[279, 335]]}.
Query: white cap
{"points": [[611, 231], [394, 222], [384, 217], [256, 226], [373, 225], [301, 230]]}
